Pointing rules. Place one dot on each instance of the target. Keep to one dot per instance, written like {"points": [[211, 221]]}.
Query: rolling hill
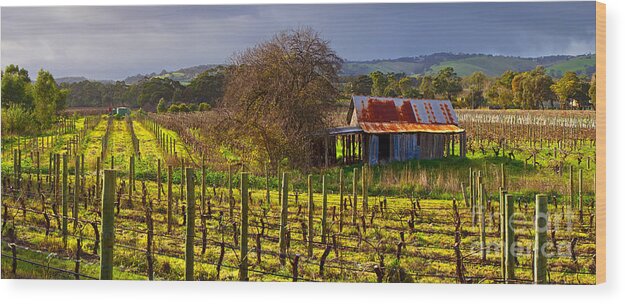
{"points": [[465, 64]]}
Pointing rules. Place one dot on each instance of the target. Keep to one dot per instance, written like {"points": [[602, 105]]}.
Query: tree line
{"points": [[533, 89], [207, 87]]}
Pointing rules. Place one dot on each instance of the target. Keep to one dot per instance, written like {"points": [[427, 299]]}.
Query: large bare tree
{"points": [[277, 96]]}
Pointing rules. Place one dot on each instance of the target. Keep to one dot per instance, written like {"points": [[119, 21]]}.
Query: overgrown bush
{"points": [[17, 120]]}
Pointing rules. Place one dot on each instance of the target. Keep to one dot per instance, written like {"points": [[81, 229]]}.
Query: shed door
{"points": [[374, 144]]}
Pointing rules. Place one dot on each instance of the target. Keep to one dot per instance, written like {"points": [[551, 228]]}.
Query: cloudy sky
{"points": [[117, 41]]}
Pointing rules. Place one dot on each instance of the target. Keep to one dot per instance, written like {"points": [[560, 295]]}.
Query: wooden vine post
{"points": [[64, 200], [97, 175], [76, 192], [324, 210], [158, 180], [311, 211], [170, 198], [509, 249], [230, 198], [268, 198], [107, 222], [503, 177], [341, 206], [540, 257], [572, 201], [580, 204], [284, 213], [365, 207], [355, 196], [203, 191], [190, 233], [502, 231], [244, 228], [482, 209]]}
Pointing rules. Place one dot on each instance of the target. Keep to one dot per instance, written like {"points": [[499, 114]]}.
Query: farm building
{"points": [[120, 111], [383, 129]]}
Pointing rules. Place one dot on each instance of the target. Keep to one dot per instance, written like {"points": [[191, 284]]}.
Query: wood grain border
{"points": [[600, 49]]}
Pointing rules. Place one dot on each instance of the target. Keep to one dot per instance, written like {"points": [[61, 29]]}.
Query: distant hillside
{"points": [[585, 64], [465, 64], [184, 75], [70, 79]]}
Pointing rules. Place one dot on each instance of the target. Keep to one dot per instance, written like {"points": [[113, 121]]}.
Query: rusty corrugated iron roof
{"points": [[404, 110], [389, 127], [398, 115]]}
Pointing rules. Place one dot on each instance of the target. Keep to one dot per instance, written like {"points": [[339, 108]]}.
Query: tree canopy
{"points": [[277, 94]]}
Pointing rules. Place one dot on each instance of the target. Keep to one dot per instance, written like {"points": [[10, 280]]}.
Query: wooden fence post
{"points": [[311, 211], [365, 207], [64, 200], [572, 200], [169, 198], [580, 203], [502, 230], [267, 185], [341, 206], [108, 229], [324, 210], [284, 213], [509, 249], [203, 191], [540, 232], [97, 176], [190, 233], [131, 179], [76, 191], [244, 226], [482, 220], [503, 177], [158, 180], [355, 195], [472, 193], [230, 198]]}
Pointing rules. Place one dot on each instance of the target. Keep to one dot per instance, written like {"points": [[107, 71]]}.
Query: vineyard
{"points": [[152, 197]]}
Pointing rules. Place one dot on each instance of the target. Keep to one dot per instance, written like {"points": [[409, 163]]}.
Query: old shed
{"points": [[383, 129]]}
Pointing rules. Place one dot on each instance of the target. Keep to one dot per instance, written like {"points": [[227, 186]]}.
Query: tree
{"points": [[592, 91], [500, 94], [161, 107], [362, 85], [408, 87], [427, 88], [476, 84], [48, 99], [532, 89], [569, 88], [277, 95], [447, 83], [379, 82], [16, 87], [208, 86]]}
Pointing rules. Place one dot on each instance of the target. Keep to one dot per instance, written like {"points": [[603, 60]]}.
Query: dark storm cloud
{"points": [[114, 42]]}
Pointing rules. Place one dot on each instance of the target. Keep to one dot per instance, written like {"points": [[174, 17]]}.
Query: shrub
{"points": [[204, 107], [17, 120], [161, 107], [174, 108]]}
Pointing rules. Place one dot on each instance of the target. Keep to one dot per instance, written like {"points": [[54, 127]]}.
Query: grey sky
{"points": [[115, 42]]}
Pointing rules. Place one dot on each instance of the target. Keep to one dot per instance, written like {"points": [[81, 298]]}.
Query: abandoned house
{"points": [[384, 129]]}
